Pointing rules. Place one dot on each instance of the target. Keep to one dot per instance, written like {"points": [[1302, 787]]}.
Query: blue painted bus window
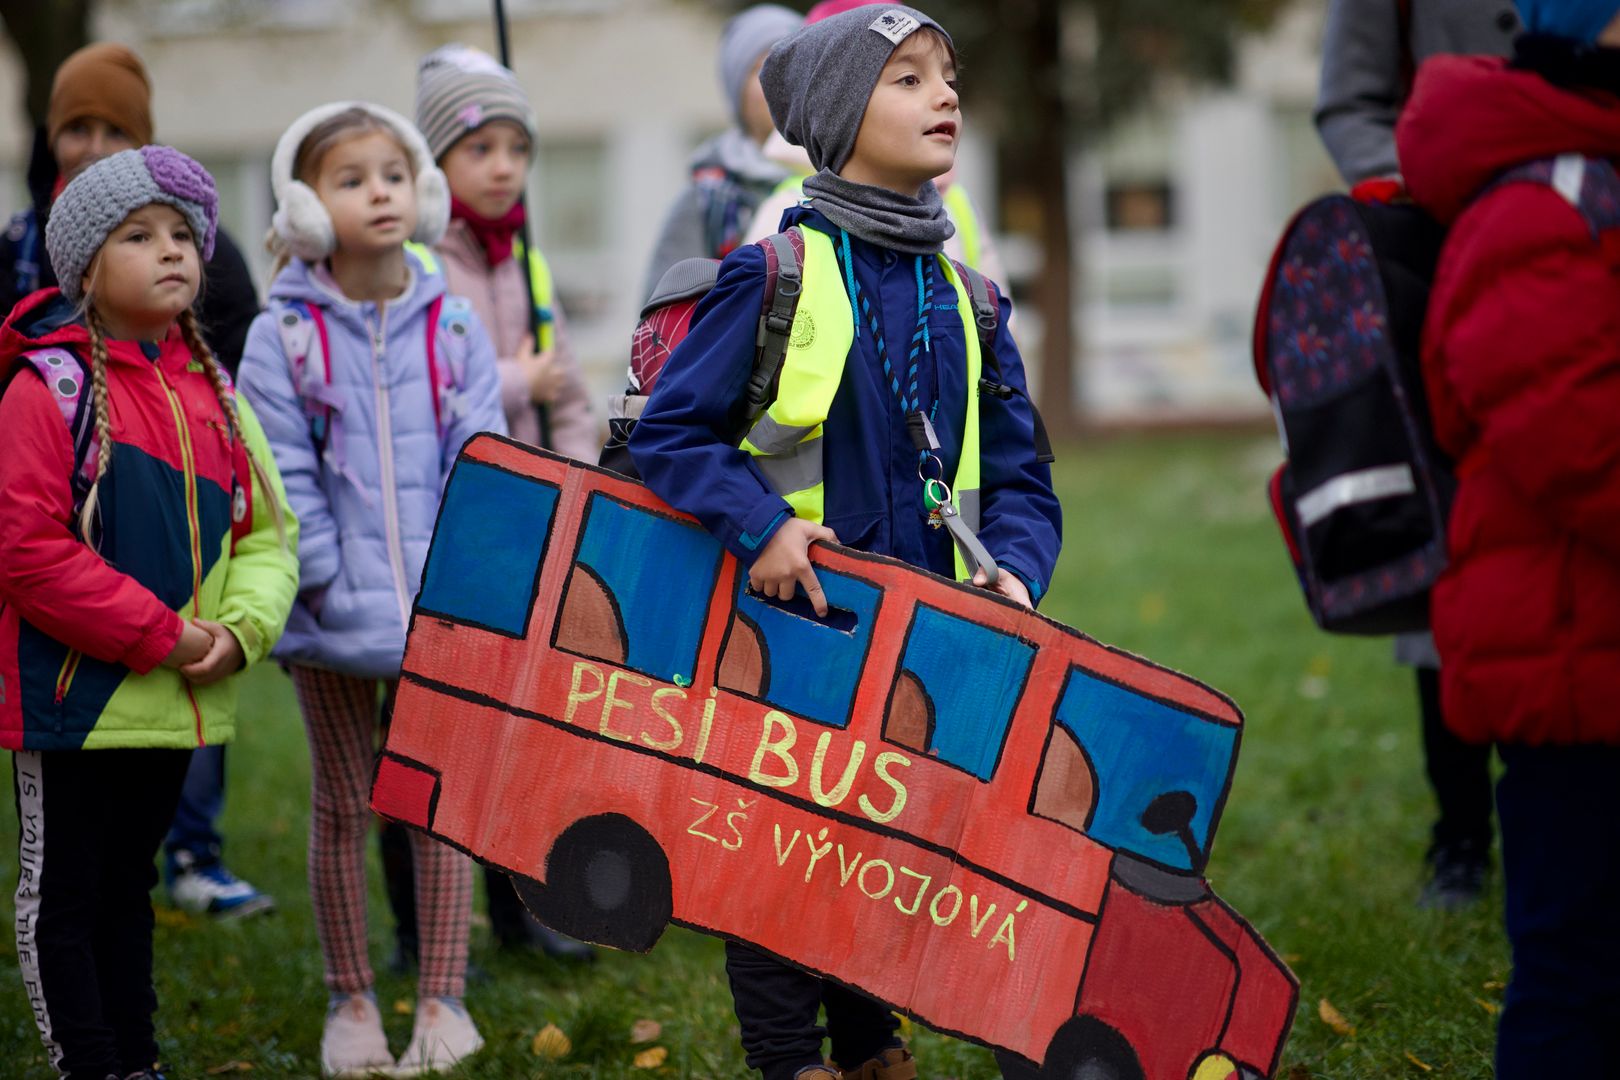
{"points": [[660, 573], [971, 677], [485, 560], [813, 665], [1143, 752]]}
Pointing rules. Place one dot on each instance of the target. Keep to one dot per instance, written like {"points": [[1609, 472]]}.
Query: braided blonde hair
{"points": [[192, 334], [101, 400]]}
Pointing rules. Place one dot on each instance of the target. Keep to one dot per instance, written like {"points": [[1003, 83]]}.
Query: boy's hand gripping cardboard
{"points": [[977, 815]]}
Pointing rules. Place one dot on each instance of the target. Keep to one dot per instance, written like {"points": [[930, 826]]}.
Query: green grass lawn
{"points": [[1170, 552]]}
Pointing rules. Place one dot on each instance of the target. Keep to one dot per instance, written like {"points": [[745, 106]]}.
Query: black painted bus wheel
{"points": [[607, 881]]}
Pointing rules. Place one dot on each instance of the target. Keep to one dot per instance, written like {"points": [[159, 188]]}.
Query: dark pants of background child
{"points": [[778, 1005], [506, 909], [201, 800], [1561, 856], [1460, 774], [90, 823]]}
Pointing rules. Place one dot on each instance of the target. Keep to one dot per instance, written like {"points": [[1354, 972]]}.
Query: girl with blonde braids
{"points": [[147, 554]]}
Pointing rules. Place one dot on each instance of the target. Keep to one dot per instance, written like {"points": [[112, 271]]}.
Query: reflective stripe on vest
{"points": [[539, 281], [786, 441]]}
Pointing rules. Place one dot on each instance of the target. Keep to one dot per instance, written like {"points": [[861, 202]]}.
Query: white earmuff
{"points": [[303, 223], [432, 204]]}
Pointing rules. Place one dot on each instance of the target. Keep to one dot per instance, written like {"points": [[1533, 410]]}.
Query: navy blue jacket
{"points": [[873, 497]]}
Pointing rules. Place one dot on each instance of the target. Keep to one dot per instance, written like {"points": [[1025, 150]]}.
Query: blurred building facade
{"points": [[1178, 207]]}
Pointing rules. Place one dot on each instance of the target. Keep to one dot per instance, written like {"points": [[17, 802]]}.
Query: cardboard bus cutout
{"points": [[974, 814]]}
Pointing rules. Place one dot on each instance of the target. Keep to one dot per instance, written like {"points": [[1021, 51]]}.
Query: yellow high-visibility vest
{"points": [[786, 440]]}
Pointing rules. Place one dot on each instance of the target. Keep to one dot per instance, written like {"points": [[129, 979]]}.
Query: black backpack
{"points": [[1364, 494]]}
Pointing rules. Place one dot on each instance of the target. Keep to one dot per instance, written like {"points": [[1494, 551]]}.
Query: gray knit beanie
{"points": [[100, 198], [819, 81], [745, 40], [459, 89]]}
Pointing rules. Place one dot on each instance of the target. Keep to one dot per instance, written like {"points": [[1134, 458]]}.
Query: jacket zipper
{"points": [[193, 525], [385, 457], [64, 677]]}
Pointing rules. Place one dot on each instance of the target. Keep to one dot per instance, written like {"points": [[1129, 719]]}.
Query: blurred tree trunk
{"points": [[1036, 164], [45, 32]]}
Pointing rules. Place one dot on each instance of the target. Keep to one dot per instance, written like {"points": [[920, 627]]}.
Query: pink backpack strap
{"points": [[68, 379], [435, 377], [307, 346], [449, 338]]}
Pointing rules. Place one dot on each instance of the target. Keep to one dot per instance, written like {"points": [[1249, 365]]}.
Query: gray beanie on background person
{"points": [[459, 89], [818, 81], [99, 199], [745, 40]]}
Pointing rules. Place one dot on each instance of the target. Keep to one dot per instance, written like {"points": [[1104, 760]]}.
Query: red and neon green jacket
{"points": [[83, 632]]}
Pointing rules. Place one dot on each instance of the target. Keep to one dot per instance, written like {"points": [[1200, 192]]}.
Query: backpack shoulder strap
{"points": [[449, 330], [68, 379], [986, 309], [304, 341], [987, 317], [784, 282]]}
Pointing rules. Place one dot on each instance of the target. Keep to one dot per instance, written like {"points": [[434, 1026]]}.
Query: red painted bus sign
{"points": [[979, 816]]}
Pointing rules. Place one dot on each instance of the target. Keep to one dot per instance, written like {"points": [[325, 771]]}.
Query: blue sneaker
{"points": [[207, 888]]}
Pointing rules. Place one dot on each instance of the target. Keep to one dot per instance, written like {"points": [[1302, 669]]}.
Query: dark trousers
{"points": [[1459, 772], [201, 800], [90, 822], [1561, 857], [778, 1006]]}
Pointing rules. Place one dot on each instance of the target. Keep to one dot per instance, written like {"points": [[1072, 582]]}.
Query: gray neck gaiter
{"points": [[879, 216]]}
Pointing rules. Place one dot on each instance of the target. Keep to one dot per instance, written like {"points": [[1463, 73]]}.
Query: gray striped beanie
{"points": [[459, 89]]}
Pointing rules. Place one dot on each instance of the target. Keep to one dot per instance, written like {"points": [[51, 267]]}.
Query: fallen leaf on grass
{"points": [[404, 1007], [550, 1042], [1492, 984], [170, 917], [1298, 1072], [1489, 1006], [652, 1058], [230, 1067], [1413, 1058], [645, 1031], [1334, 1019]]}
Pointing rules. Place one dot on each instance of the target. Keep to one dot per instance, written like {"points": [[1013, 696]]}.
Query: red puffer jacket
{"points": [[1522, 360]]}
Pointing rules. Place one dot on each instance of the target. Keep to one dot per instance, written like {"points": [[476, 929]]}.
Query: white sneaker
{"points": [[444, 1035], [353, 1044]]}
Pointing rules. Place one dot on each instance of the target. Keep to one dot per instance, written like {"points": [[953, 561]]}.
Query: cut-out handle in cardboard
{"points": [[974, 814]]}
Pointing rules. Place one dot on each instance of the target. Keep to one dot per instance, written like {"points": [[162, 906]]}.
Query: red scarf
{"points": [[494, 233]]}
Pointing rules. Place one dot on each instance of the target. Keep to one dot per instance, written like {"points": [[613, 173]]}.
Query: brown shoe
{"points": [[893, 1064], [816, 1072]]}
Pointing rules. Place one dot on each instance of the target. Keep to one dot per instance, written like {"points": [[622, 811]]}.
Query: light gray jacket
{"points": [[1363, 69]]}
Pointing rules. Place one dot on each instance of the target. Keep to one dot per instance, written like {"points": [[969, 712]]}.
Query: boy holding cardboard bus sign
{"points": [[894, 427]]}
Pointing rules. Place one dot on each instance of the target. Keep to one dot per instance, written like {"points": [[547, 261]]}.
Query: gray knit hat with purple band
{"points": [[100, 198]]}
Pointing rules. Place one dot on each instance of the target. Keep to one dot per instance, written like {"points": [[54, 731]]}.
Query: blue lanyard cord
{"points": [[908, 398]]}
